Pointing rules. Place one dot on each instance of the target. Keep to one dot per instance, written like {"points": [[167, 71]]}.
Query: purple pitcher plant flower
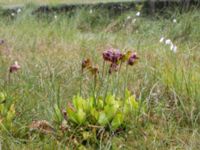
{"points": [[86, 63], [112, 55], [132, 59], [116, 58]]}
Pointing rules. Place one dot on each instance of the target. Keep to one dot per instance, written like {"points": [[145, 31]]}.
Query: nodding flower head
{"points": [[132, 59], [112, 55], [94, 70], [108, 54], [117, 56], [15, 67], [86, 63]]}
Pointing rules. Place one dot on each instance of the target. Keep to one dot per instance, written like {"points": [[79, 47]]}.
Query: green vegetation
{"points": [[49, 50], [13, 2]]}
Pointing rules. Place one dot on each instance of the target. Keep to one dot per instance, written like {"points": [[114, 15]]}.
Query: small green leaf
{"points": [[57, 114], [86, 135], [82, 147]]}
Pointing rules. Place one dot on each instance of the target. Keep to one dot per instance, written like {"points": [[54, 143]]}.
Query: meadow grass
{"points": [[50, 52]]}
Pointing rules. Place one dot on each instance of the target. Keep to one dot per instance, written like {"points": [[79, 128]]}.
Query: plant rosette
{"points": [[110, 113]]}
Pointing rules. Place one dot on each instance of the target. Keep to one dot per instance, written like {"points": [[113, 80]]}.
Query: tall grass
{"points": [[50, 51]]}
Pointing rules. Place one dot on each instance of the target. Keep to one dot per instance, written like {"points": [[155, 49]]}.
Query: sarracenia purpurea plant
{"points": [[107, 111]]}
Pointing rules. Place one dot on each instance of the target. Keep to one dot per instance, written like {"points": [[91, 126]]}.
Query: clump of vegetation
{"points": [[95, 120], [110, 112], [107, 113], [7, 113], [66, 91]]}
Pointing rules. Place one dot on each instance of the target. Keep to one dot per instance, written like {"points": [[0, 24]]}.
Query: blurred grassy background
{"points": [[50, 50], [12, 2]]}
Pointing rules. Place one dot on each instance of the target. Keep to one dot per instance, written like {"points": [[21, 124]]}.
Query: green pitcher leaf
{"points": [[81, 116], [72, 115], [110, 100], [127, 94], [80, 103], [91, 102], [103, 120], [110, 111], [11, 113], [132, 103], [117, 121], [100, 104], [2, 97], [94, 113], [1, 109]]}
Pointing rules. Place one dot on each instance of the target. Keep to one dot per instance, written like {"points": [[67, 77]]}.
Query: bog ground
{"points": [[50, 100]]}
